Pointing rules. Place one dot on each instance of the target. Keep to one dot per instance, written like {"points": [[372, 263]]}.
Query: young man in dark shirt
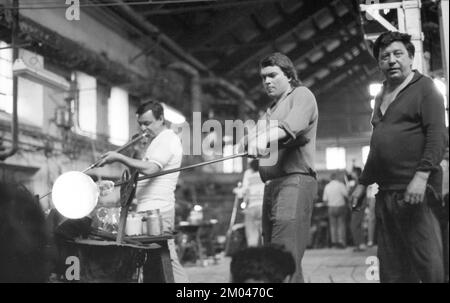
{"points": [[291, 184], [407, 145]]}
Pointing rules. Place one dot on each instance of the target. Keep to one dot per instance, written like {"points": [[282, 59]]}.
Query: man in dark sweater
{"points": [[407, 145]]}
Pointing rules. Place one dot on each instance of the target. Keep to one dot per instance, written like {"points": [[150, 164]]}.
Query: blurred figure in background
{"points": [[372, 190], [357, 216], [253, 189], [23, 237], [444, 219], [335, 197], [266, 264]]}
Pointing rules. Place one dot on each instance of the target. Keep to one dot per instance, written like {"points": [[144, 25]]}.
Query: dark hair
{"points": [[156, 108], [388, 37], [357, 170], [285, 64], [271, 264], [254, 164], [23, 236]]}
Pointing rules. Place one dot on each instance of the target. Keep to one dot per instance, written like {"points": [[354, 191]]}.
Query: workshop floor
{"points": [[319, 266]]}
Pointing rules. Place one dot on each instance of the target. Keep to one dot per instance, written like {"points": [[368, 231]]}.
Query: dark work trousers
{"points": [[357, 227], [337, 217], [287, 209], [445, 234], [409, 240], [441, 212]]}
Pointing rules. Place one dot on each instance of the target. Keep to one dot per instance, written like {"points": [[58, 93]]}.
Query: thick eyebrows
{"points": [[144, 122], [269, 74]]}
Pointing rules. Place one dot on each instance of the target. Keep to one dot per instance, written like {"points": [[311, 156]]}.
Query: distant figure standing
{"points": [[253, 188], [335, 197], [357, 216]]}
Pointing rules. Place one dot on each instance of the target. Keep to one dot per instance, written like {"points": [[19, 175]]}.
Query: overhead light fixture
{"points": [[198, 207], [375, 89], [440, 86], [40, 75], [172, 115]]}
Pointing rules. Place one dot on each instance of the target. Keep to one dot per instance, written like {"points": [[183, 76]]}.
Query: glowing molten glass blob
{"points": [[74, 194]]}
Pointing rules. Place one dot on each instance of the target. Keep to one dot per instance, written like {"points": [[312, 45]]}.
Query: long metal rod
{"points": [[118, 150], [175, 170]]}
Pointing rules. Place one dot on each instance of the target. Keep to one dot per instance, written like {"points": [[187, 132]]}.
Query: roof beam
{"points": [[165, 40], [330, 56], [240, 59], [215, 6], [207, 34], [325, 34], [328, 82], [347, 68], [349, 87]]}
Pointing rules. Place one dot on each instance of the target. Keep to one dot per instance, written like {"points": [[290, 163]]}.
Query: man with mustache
{"points": [[163, 153]]}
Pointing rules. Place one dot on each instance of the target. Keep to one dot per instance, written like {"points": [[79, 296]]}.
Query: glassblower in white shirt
{"points": [[163, 153]]}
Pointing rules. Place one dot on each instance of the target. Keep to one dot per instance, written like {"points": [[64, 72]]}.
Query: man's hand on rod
{"points": [[109, 157]]}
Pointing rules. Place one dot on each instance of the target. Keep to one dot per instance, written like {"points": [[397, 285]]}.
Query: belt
{"points": [[310, 173]]}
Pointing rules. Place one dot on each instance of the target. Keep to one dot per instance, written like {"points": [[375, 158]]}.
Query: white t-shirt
{"points": [[158, 193], [335, 193], [444, 165], [253, 187], [371, 191]]}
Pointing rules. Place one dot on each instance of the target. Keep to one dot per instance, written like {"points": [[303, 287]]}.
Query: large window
{"points": [[365, 153], [440, 84], [118, 116], [87, 104], [30, 102], [335, 157], [30, 95], [6, 76], [232, 165]]}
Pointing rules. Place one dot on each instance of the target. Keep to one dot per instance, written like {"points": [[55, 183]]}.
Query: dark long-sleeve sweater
{"points": [[411, 136]]}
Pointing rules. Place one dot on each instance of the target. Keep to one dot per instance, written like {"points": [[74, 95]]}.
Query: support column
{"points": [[444, 26], [413, 26], [409, 21]]}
